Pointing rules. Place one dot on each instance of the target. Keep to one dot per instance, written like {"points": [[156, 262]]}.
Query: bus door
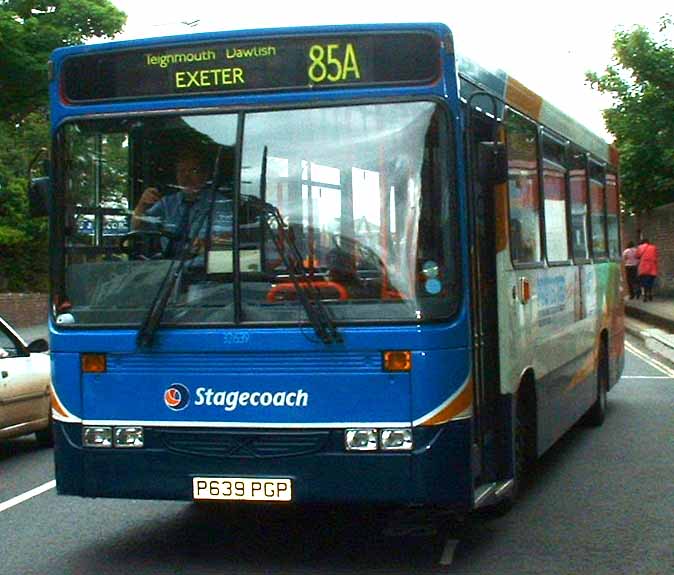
{"points": [[487, 433]]}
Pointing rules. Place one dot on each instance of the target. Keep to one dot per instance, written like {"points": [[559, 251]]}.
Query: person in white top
{"points": [[631, 262]]}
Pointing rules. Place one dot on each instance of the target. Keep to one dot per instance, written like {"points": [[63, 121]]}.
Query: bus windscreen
{"points": [[273, 63]]}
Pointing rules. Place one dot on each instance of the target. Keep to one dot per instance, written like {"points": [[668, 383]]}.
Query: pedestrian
{"points": [[631, 262], [648, 267]]}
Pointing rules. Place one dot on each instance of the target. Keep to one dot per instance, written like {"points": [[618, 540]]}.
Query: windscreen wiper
{"points": [[188, 234], [308, 294]]}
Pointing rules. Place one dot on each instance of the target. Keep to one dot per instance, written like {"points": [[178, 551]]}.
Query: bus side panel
{"points": [[604, 301], [616, 312], [553, 334], [563, 396], [564, 344]]}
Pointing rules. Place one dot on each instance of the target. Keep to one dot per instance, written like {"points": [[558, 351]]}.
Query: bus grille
{"points": [[244, 363], [244, 445]]}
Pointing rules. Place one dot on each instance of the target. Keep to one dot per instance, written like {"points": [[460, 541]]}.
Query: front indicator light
{"points": [[360, 439], [397, 360], [396, 439], [93, 363], [128, 437], [97, 436]]}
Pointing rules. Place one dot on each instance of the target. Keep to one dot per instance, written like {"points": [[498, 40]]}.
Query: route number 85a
{"points": [[332, 63]]}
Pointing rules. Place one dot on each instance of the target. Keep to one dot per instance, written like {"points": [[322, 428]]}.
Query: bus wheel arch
{"points": [[525, 424], [596, 415], [522, 440]]}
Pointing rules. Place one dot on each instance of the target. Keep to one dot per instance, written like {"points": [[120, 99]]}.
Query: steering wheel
{"points": [[146, 244]]}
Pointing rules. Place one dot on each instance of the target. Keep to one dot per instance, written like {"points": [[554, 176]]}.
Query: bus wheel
{"points": [[597, 413], [524, 450], [525, 436]]}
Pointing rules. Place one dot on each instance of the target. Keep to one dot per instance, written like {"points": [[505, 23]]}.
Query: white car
{"points": [[25, 382]]}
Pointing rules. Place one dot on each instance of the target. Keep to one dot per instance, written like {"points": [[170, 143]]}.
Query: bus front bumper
{"points": [[436, 472]]}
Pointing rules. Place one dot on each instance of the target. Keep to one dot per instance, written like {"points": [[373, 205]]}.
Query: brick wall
{"points": [[658, 226], [24, 309]]}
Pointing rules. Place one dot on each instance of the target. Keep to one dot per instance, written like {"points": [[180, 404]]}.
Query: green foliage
{"points": [[641, 82], [23, 241], [29, 31]]}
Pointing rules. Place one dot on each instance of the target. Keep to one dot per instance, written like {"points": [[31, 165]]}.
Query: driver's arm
{"points": [[148, 199]]}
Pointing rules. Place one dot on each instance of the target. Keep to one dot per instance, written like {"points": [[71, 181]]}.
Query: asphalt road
{"points": [[601, 501]]}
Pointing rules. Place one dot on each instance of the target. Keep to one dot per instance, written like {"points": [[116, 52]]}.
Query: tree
{"points": [[641, 81], [30, 30]]}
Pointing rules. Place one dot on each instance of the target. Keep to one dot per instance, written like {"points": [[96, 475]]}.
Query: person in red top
{"points": [[648, 267]]}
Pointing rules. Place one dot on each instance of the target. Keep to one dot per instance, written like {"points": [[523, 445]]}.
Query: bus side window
{"points": [[597, 210], [613, 214], [525, 237], [579, 212], [555, 200]]}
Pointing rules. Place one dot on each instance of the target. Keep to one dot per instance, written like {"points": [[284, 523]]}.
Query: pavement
{"points": [[653, 322]]}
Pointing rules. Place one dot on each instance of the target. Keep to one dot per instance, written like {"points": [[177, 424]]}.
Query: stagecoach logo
{"points": [[177, 397]]}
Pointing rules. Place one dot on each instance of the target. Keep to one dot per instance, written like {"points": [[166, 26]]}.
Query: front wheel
{"points": [[524, 451]]}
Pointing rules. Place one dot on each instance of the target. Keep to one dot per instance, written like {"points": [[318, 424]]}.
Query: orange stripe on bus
{"points": [[461, 403], [519, 96], [57, 406]]}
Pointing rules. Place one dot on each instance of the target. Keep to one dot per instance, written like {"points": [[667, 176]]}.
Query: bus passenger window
{"points": [[525, 241], [555, 194], [597, 210], [613, 211], [579, 213]]}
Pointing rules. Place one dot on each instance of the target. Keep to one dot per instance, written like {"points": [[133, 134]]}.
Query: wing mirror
{"points": [[39, 188], [38, 346]]}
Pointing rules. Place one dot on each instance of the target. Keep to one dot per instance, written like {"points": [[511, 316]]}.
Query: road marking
{"points": [[661, 367], [27, 495], [646, 377], [448, 552]]}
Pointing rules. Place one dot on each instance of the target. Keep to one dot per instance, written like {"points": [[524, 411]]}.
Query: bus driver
{"points": [[188, 209]]}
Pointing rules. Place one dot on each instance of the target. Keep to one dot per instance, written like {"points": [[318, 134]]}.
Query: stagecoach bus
{"points": [[389, 275]]}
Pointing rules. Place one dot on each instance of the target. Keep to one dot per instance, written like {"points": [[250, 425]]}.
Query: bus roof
{"points": [[248, 34], [474, 77]]}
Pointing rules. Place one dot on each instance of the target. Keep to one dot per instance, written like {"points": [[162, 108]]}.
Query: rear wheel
{"points": [[525, 438], [597, 413]]}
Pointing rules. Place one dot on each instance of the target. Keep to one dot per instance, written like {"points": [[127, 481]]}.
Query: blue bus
{"points": [[334, 264]]}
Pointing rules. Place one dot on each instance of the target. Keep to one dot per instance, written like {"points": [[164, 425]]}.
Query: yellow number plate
{"points": [[241, 488]]}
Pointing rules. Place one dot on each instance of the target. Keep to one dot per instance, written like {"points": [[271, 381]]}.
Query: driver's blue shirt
{"points": [[175, 211]]}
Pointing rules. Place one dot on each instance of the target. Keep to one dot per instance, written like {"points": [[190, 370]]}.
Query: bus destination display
{"points": [[288, 63]]}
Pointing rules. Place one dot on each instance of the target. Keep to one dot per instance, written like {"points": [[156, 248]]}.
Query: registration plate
{"points": [[241, 488]]}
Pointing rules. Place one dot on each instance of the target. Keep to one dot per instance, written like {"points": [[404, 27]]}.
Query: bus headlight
{"points": [[360, 439], [96, 436], [128, 437], [396, 439]]}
